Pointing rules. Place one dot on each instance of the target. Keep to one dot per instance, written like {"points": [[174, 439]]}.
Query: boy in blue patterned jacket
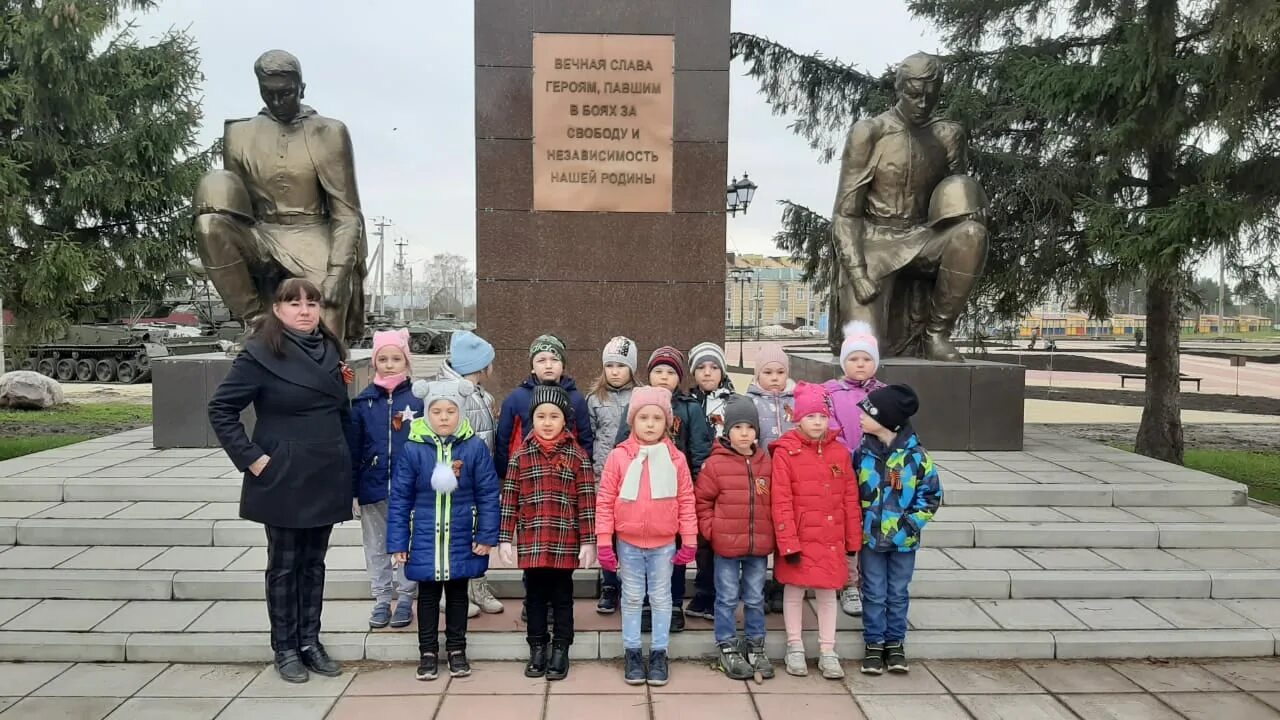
{"points": [[900, 493]]}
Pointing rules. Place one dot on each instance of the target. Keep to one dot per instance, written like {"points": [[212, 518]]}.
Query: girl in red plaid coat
{"points": [[549, 503]]}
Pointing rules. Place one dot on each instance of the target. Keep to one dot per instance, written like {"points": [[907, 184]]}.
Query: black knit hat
{"points": [[740, 409], [554, 395], [891, 406]]}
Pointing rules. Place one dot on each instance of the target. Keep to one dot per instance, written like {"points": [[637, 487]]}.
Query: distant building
{"points": [[1077, 324], [776, 294]]}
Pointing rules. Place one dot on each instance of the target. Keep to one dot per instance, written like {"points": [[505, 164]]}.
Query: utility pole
{"points": [[380, 302], [1222, 293], [400, 267]]}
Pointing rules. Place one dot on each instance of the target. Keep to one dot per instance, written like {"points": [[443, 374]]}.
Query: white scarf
{"points": [[662, 473]]}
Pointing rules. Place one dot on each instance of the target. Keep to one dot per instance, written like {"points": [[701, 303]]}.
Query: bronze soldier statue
{"points": [[284, 205], [909, 226]]}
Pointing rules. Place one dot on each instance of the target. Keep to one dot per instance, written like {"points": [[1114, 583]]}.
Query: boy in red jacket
{"points": [[735, 517], [818, 525]]}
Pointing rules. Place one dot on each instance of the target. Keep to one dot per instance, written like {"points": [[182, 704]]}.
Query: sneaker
{"points": [[427, 667], [608, 603], [896, 657], [473, 609], [700, 607], [633, 670], [403, 615], [829, 666], [873, 659], [794, 661], [458, 665], [481, 595], [733, 664], [658, 671], [677, 620], [381, 615], [851, 602], [759, 659]]}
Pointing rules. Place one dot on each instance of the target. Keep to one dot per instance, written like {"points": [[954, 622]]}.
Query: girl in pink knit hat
{"points": [[380, 418], [859, 358], [645, 503], [774, 393]]}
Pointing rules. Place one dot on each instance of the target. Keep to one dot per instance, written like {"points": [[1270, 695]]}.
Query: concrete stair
{"points": [[110, 550]]}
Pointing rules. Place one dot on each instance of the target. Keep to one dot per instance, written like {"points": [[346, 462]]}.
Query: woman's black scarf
{"points": [[313, 344]]}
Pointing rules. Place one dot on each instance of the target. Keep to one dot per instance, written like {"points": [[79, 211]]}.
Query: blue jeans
{"points": [[740, 577], [642, 569], [885, 577]]}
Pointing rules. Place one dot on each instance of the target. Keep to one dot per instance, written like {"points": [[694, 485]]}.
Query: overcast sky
{"points": [[400, 74]]}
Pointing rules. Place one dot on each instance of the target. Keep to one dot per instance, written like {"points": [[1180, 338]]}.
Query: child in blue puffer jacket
{"points": [[380, 418], [444, 518], [900, 493]]}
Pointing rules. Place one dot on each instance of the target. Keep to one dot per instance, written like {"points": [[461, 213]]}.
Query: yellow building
{"points": [[765, 290]]}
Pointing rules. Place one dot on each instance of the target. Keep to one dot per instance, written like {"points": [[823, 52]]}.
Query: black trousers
{"points": [[704, 581], [295, 584], [455, 616], [554, 588]]}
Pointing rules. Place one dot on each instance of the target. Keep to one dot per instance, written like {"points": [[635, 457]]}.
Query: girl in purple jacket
{"points": [[859, 358]]}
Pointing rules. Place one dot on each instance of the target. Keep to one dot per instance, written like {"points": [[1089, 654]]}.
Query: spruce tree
{"points": [[98, 158], [1118, 141]]}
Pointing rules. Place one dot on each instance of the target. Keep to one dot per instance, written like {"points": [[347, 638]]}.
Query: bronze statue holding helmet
{"points": [[909, 225]]}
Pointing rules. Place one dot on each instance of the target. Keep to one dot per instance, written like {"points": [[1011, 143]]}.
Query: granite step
{"points": [[353, 584], [1253, 529], [233, 631], [1025, 494]]}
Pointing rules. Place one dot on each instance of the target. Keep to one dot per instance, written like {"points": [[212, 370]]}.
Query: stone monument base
{"points": [[974, 405], [182, 386]]}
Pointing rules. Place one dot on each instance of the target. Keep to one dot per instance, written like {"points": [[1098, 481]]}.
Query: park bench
{"points": [[1142, 376]]}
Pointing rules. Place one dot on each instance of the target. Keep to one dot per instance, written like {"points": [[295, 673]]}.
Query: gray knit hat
{"points": [[740, 409]]}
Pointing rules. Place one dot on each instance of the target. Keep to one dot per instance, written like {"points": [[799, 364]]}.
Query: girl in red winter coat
{"points": [[817, 523]]}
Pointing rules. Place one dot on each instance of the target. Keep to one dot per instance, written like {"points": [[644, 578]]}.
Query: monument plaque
{"points": [[603, 112]]}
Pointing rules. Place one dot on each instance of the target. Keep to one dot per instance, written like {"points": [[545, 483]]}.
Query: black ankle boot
{"points": [[537, 666], [558, 665], [289, 665], [318, 661]]}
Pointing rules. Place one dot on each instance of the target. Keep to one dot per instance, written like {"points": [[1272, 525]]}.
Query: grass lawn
{"points": [[11, 447], [27, 431], [1259, 470], [88, 415]]}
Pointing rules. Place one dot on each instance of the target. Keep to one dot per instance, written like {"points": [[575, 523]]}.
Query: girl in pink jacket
{"points": [[645, 502]]}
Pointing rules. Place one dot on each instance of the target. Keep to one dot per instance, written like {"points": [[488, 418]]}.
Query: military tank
{"points": [[113, 352], [423, 338]]}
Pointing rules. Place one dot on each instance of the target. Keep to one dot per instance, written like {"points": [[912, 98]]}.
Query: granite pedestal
{"points": [[974, 405], [181, 387], [656, 277]]}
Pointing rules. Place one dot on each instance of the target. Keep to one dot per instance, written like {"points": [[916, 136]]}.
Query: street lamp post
{"points": [[739, 194], [741, 276]]}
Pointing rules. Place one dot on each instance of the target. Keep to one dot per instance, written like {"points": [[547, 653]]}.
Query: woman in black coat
{"points": [[297, 467]]}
